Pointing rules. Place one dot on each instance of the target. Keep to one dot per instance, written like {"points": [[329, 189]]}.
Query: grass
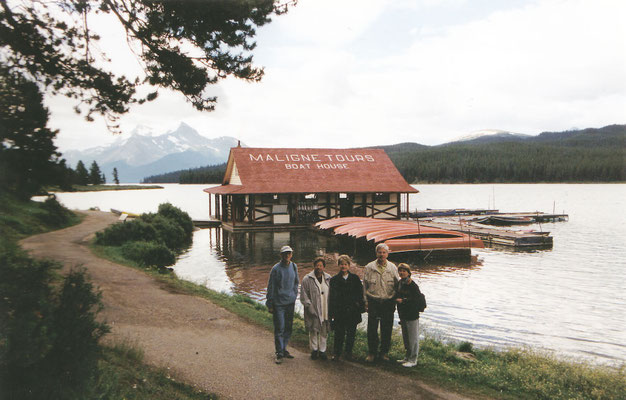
{"points": [[21, 219], [124, 375], [508, 374]]}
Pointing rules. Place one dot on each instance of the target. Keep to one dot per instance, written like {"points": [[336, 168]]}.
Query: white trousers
{"points": [[410, 336], [317, 339]]}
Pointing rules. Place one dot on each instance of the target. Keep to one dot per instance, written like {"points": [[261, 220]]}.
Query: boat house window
{"points": [[269, 198], [381, 197]]}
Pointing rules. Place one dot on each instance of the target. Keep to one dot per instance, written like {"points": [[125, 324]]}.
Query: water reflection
{"points": [[241, 262]]}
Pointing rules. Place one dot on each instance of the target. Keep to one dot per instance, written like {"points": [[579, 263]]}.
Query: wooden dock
{"points": [[207, 223], [462, 220], [491, 236], [246, 227], [434, 213], [444, 212]]}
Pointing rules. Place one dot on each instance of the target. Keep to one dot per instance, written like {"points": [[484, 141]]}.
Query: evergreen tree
{"points": [[82, 176], [115, 177], [64, 176], [95, 175], [27, 152], [184, 46]]}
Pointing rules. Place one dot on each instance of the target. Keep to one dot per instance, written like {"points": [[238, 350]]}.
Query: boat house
{"points": [[278, 187]]}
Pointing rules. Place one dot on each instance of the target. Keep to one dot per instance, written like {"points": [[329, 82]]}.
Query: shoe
{"points": [[370, 358], [409, 364], [287, 354], [384, 357], [314, 355], [279, 358], [402, 361], [323, 356]]}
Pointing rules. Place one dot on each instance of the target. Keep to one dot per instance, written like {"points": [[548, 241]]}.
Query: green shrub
{"points": [[466, 347], [168, 231], [130, 231], [55, 214], [149, 253], [177, 215], [48, 338], [153, 239]]}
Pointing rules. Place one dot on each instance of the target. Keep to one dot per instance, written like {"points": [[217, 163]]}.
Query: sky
{"points": [[356, 73]]}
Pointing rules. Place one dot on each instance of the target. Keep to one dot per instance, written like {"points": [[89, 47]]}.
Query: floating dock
{"points": [[433, 213], [490, 236], [461, 220]]}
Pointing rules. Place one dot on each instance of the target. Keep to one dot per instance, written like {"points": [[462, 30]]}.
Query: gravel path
{"points": [[207, 346]]}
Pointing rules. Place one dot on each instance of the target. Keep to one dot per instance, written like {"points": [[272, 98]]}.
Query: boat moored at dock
{"points": [[403, 237]]}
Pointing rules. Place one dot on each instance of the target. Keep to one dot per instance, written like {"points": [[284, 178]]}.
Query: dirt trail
{"points": [[207, 346]]}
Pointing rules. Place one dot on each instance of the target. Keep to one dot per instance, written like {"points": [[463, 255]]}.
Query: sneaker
{"points": [[370, 358], [409, 364], [384, 357], [287, 354], [314, 355], [323, 356], [402, 361], [279, 358]]}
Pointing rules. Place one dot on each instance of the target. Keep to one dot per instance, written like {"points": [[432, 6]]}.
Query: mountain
{"points": [[491, 136], [611, 135], [585, 155], [141, 154]]}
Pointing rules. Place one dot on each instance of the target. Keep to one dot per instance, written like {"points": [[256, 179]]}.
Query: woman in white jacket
{"points": [[314, 297]]}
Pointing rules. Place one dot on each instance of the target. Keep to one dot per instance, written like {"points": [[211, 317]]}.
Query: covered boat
{"points": [[402, 236]]}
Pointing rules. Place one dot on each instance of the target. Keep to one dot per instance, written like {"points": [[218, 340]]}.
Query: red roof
{"points": [[263, 170]]}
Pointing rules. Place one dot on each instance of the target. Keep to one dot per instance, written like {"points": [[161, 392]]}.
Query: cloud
{"points": [[345, 74]]}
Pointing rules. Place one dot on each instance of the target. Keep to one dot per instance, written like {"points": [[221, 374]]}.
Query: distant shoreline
{"points": [[101, 188]]}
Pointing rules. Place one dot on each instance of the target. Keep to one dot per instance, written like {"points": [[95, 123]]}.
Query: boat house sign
{"points": [[313, 160]]}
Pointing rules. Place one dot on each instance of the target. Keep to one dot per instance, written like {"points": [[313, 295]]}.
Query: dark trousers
{"points": [[379, 312], [283, 322], [347, 331]]}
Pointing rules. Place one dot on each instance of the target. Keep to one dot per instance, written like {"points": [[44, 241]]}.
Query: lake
{"points": [[570, 300]]}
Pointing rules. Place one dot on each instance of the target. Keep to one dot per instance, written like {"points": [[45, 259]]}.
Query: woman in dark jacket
{"points": [[345, 306], [407, 297]]}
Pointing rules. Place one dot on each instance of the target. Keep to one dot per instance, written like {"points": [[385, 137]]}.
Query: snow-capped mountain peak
{"points": [[142, 147], [489, 133]]}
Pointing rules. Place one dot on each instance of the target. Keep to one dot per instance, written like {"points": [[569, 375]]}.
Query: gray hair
{"points": [[382, 246]]}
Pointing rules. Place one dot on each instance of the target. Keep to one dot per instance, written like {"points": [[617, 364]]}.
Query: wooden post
{"points": [[407, 206], [252, 209], [210, 205]]}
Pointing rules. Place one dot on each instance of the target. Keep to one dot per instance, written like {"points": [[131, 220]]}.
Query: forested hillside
{"points": [[209, 174], [511, 162], [589, 155]]}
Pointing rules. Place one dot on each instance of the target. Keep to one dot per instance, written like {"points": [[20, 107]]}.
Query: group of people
{"points": [[336, 303]]}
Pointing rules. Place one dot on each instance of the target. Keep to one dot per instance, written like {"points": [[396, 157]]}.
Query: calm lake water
{"points": [[570, 299]]}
